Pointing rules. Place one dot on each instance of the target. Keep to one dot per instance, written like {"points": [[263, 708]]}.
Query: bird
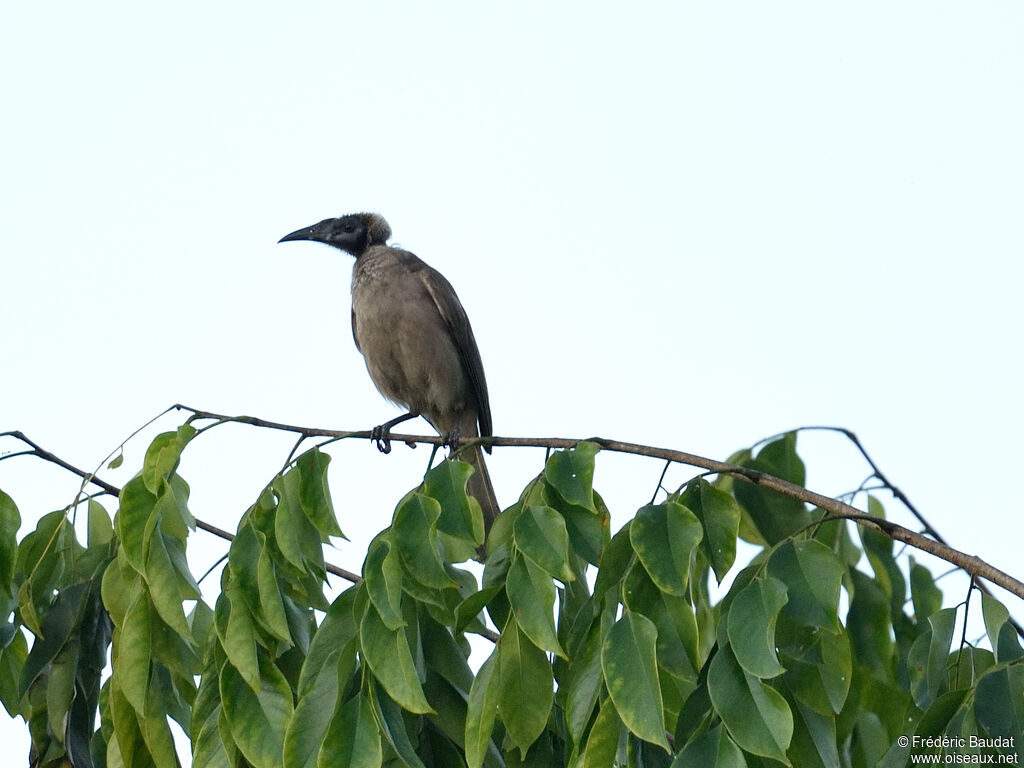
{"points": [[416, 340]]}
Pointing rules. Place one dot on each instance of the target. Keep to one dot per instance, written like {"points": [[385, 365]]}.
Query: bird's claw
{"points": [[451, 438], [381, 434]]}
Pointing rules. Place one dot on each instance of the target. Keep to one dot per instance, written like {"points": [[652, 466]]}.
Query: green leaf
{"points": [[10, 522], [631, 674], [272, 612], [868, 624], [719, 516], [814, 739], [540, 534], [353, 739], [461, 525], [135, 504], [314, 493], [926, 596], [237, 634], [532, 596], [101, 529], [415, 534], [382, 573], [387, 653], [134, 651], [603, 739], [583, 685], [571, 473], [751, 626], [258, 719], [117, 461], [313, 713], [998, 704], [163, 455], [775, 515], [713, 749], [481, 711], [164, 585], [757, 716], [664, 537], [1001, 634], [525, 687], [812, 574], [12, 662]]}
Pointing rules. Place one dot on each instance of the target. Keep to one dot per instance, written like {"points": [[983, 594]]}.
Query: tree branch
{"points": [[835, 508]]}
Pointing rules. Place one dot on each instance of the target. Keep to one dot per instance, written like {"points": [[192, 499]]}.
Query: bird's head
{"points": [[353, 233]]}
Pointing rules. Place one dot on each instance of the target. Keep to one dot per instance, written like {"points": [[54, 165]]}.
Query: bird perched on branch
{"points": [[416, 339]]}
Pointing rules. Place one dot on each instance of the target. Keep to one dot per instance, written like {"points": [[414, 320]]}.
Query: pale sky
{"points": [[690, 225]]}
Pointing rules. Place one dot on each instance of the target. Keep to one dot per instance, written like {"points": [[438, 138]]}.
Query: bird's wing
{"points": [[355, 338], [455, 318]]}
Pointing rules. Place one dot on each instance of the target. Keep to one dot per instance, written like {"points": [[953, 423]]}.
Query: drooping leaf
{"points": [[751, 626], [258, 718], [387, 653], [382, 573], [571, 473], [713, 749], [812, 574], [415, 534], [525, 687], [603, 739], [664, 537], [775, 515], [531, 594], [481, 712], [353, 739], [631, 674], [541, 535], [461, 524], [719, 516], [757, 716], [163, 455]]}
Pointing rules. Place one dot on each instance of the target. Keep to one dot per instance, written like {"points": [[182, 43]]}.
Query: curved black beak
{"points": [[317, 232]]}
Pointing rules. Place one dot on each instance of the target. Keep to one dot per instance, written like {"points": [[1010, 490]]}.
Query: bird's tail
{"points": [[479, 485]]}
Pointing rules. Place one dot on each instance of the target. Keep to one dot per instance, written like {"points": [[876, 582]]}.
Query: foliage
{"points": [[612, 650]]}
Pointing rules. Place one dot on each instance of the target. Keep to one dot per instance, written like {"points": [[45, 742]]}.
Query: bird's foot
{"points": [[451, 438], [381, 434]]}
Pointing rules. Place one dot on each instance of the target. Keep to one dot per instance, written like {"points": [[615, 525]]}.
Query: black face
{"points": [[347, 233]]}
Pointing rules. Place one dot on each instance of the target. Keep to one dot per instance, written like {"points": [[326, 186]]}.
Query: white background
{"points": [[690, 225]]}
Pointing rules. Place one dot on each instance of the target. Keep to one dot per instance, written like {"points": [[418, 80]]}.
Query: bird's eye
{"points": [[349, 229]]}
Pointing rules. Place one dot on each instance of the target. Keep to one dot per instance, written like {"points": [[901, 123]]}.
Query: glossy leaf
{"points": [[258, 719], [314, 494], [757, 716], [387, 653], [751, 626], [812, 574], [482, 710], [713, 749], [382, 573], [719, 516], [774, 515], [415, 534], [540, 534], [461, 524], [531, 594], [163, 455], [603, 739], [571, 473], [525, 687], [664, 537], [631, 674], [353, 739]]}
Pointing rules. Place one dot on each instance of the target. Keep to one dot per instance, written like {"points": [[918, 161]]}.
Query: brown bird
{"points": [[419, 348]]}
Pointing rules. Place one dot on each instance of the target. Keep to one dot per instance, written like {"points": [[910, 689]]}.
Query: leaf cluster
{"points": [[611, 650]]}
